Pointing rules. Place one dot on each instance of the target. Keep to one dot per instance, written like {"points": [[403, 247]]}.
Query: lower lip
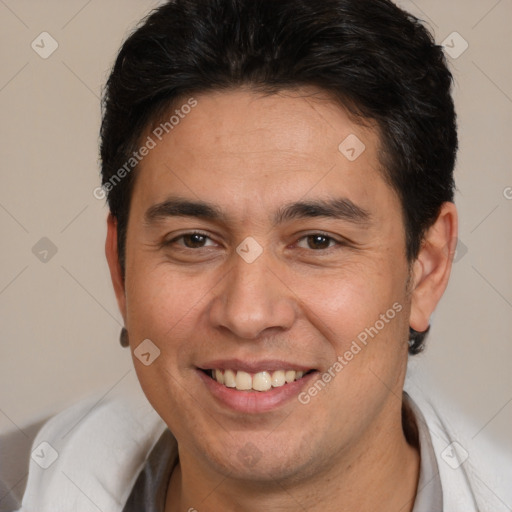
{"points": [[254, 402]]}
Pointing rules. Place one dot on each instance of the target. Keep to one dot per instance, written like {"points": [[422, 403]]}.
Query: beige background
{"points": [[59, 320]]}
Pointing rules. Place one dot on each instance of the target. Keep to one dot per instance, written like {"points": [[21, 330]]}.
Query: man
{"points": [[280, 183]]}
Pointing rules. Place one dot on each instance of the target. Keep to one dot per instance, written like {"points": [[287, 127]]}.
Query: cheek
{"points": [[364, 319], [162, 306], [155, 294], [362, 313], [353, 298]]}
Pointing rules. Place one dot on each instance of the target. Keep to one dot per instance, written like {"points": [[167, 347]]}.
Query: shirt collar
{"points": [[149, 491]]}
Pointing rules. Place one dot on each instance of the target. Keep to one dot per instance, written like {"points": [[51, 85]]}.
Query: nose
{"points": [[252, 299]]}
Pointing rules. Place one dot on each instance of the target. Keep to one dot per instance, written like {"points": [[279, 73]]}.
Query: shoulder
{"points": [[88, 456], [475, 474]]}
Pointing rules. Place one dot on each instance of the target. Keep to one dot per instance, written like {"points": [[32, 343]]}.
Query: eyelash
{"points": [[304, 237], [191, 233]]}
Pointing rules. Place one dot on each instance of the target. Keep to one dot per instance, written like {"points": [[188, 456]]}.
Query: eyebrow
{"points": [[176, 207], [338, 208]]}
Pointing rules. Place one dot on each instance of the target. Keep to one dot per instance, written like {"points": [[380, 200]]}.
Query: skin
{"points": [[299, 301]]}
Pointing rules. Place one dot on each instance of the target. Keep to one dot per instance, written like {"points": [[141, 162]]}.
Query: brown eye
{"points": [[194, 240], [318, 241], [191, 241]]}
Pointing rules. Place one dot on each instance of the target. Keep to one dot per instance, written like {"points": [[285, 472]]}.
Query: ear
{"points": [[112, 254], [432, 268]]}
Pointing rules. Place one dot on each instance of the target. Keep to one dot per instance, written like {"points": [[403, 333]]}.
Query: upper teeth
{"points": [[261, 381]]}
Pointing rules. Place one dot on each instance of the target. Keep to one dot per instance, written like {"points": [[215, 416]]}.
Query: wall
{"points": [[59, 319]]}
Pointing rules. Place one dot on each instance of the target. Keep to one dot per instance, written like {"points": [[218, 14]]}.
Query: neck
{"points": [[379, 474]]}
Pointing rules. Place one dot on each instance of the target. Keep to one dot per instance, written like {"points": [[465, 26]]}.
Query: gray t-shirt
{"points": [[149, 492]]}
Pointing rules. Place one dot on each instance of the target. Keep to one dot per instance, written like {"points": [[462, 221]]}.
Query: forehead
{"points": [[253, 150], [306, 122]]}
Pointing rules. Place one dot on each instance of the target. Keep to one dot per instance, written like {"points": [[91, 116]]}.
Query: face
{"points": [[255, 247]]}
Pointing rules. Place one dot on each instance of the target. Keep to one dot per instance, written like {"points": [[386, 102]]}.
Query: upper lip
{"points": [[253, 366]]}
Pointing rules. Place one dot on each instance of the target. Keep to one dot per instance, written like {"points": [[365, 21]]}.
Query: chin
{"points": [[260, 460]]}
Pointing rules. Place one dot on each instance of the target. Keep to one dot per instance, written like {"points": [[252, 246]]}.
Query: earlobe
{"points": [[432, 268], [112, 254]]}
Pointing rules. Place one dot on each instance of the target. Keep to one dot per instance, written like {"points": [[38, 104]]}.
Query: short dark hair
{"points": [[377, 60]]}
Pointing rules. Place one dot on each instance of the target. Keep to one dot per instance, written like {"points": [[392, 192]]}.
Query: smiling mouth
{"points": [[261, 381]]}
